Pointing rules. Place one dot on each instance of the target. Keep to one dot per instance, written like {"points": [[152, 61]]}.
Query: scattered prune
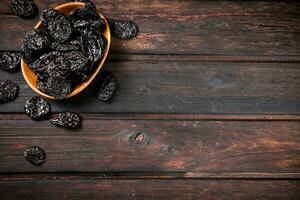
{"points": [[66, 120], [24, 8], [37, 108], [77, 60], [35, 155], [37, 39], [50, 64], [8, 91], [107, 86], [9, 61], [57, 24], [58, 86], [94, 45], [123, 29]]}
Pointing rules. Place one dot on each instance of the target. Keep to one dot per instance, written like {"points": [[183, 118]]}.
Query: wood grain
{"points": [[153, 145], [150, 189], [190, 27], [186, 87]]}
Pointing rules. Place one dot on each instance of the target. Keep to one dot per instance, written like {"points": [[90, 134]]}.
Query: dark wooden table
{"points": [[208, 107]]}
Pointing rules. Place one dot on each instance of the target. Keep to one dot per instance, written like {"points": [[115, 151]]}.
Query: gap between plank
{"points": [[146, 175]]}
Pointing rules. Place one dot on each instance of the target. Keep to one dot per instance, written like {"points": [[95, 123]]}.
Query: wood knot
{"points": [[139, 139]]}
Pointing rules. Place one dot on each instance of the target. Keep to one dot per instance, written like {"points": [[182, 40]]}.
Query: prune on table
{"points": [[64, 47], [24, 8], [58, 86], [57, 24], [66, 120], [93, 45], [77, 60], [37, 108], [50, 64], [8, 91], [35, 155], [123, 29], [9, 61], [37, 39], [107, 86]]}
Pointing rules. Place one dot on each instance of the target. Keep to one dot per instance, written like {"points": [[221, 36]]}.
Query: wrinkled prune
{"points": [[123, 29], [94, 45], [41, 84], [64, 47], [50, 64], [57, 24], [37, 108], [37, 39], [86, 25], [88, 12], [58, 86], [8, 91], [77, 60], [107, 86], [23, 8], [9, 61], [35, 155], [66, 120]]}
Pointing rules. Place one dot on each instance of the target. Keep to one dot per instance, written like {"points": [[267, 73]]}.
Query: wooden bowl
{"points": [[31, 78]]}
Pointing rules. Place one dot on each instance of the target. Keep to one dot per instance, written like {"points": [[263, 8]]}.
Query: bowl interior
{"points": [[31, 78]]}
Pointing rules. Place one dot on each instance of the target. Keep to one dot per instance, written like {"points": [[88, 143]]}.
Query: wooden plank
{"points": [[150, 189], [186, 88], [153, 145], [230, 28]]}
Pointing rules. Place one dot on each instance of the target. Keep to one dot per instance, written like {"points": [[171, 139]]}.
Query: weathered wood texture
{"points": [[186, 87], [150, 189], [162, 146], [188, 27]]}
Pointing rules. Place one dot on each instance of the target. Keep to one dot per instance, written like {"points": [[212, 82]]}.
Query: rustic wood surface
{"points": [[208, 107]]}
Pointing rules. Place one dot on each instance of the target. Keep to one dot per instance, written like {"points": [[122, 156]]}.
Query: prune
{"points": [[66, 120], [57, 24], [9, 61], [50, 64], [83, 25], [8, 91], [88, 12], [108, 85], [58, 86], [64, 47], [94, 45], [37, 39], [23, 8], [41, 84], [77, 60], [35, 155], [37, 108], [123, 29]]}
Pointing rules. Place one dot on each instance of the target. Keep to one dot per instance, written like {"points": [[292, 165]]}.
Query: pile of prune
{"points": [[9, 61], [24, 8], [63, 52], [35, 155], [8, 91]]}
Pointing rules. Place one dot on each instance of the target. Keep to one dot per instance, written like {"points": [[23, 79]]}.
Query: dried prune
{"points": [[66, 120], [50, 64], [8, 91], [64, 47], [35, 155], [9, 61], [88, 12], [94, 45], [77, 60], [41, 84], [58, 86], [23, 8], [107, 85], [37, 39], [123, 29], [37, 108], [82, 25], [57, 24]]}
